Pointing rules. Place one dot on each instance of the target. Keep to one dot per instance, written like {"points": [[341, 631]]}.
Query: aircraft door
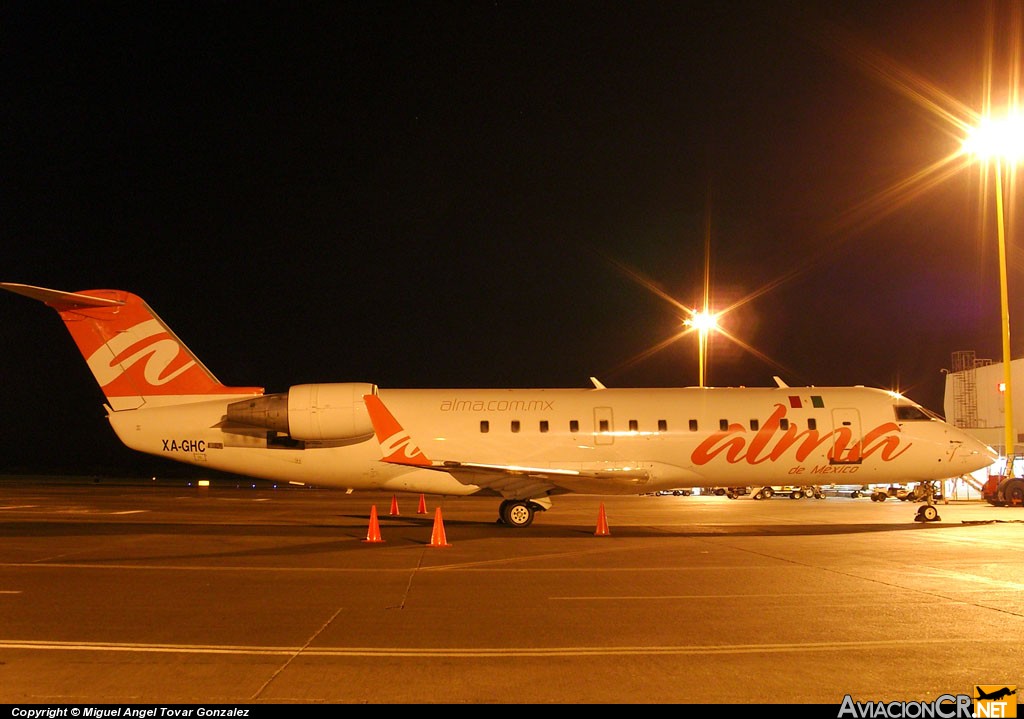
{"points": [[847, 440], [604, 428]]}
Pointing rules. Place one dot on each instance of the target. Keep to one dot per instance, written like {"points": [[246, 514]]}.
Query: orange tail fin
{"points": [[136, 359]]}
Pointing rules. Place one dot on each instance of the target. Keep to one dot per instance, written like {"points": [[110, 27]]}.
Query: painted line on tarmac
{"points": [[456, 652]]}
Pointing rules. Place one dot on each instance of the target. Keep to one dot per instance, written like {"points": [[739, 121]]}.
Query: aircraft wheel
{"points": [[517, 513], [1013, 493], [928, 513]]}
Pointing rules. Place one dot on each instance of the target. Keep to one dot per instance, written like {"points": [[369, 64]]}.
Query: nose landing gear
{"points": [[928, 511]]}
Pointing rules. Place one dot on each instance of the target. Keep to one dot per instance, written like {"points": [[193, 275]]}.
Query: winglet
{"points": [[395, 443]]}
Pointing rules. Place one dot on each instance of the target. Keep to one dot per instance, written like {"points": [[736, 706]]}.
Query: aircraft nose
{"points": [[976, 453]]}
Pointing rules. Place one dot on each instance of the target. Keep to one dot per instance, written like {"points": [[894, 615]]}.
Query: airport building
{"points": [[974, 400]]}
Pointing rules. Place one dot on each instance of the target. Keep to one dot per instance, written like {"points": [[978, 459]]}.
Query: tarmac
{"points": [[152, 591]]}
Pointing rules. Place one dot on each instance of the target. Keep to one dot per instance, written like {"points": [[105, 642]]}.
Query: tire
{"points": [[517, 513], [1013, 493], [928, 513], [768, 492]]}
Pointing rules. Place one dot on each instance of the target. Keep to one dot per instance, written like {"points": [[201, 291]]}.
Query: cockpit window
{"points": [[905, 412]]}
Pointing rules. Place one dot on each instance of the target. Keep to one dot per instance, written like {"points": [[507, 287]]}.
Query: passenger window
{"points": [[812, 423], [784, 423], [693, 425], [663, 425], [515, 425], [754, 425], [543, 425], [603, 425], [574, 426], [723, 424], [633, 425], [485, 426]]}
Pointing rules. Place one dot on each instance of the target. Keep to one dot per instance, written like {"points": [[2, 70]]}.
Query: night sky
{"points": [[495, 194]]}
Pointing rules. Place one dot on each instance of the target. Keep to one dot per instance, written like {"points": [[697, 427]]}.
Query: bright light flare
{"points": [[997, 138], [702, 321]]}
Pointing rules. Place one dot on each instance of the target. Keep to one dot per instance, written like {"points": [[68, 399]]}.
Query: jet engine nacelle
{"points": [[334, 411]]}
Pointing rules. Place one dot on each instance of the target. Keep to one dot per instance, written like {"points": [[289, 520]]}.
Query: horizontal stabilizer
{"points": [[60, 301]]}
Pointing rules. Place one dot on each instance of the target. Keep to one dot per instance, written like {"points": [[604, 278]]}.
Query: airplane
{"points": [[523, 445], [997, 695]]}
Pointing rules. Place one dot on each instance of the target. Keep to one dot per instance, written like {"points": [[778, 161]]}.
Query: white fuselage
{"points": [[679, 437]]}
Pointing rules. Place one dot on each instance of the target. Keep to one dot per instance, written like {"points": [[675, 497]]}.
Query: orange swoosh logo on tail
{"points": [[395, 443]]}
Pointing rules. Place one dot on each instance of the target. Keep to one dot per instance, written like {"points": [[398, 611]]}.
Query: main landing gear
{"points": [[520, 512]]}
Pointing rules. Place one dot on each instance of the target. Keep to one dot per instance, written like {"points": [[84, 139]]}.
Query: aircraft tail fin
{"points": [[136, 359]]}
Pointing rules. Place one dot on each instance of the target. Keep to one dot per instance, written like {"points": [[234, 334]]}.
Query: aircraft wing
{"points": [[522, 481], [506, 479]]}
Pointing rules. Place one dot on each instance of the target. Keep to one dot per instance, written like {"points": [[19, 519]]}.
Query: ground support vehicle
{"points": [[880, 494], [730, 492], [1003, 491], [853, 491], [791, 492]]}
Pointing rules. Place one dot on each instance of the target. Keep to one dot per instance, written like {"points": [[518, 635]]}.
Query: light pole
{"points": [[1004, 303], [999, 141]]}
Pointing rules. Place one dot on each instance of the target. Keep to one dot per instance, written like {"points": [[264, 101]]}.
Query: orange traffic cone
{"points": [[373, 533], [437, 538], [602, 523], [422, 509], [394, 506]]}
